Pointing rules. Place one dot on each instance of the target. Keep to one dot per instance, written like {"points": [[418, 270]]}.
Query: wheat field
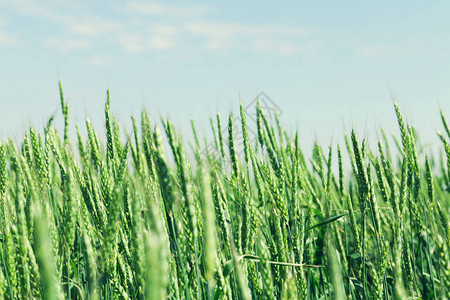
{"points": [[141, 215]]}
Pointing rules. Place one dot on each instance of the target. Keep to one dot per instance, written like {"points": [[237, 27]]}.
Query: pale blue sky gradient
{"points": [[328, 65]]}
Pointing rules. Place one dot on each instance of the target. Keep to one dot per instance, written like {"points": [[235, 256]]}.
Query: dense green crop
{"points": [[125, 219]]}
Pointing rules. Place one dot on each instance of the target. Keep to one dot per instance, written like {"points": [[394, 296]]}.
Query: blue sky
{"points": [[328, 65]]}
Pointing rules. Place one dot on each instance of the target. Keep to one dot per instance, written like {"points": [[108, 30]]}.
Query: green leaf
{"points": [[327, 221]]}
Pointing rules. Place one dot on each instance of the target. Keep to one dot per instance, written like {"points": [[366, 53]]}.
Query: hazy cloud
{"points": [[94, 26], [6, 39], [166, 10], [259, 38], [41, 9], [138, 43], [216, 29], [381, 49], [132, 30], [67, 44]]}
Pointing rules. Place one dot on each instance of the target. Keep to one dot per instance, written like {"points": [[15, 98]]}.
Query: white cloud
{"points": [[213, 29], [165, 10], [131, 42], [164, 30], [308, 47], [271, 46], [257, 38], [7, 39], [217, 44], [160, 43], [382, 49], [24, 7], [42, 9], [94, 26], [137, 43], [66, 44], [132, 29]]}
